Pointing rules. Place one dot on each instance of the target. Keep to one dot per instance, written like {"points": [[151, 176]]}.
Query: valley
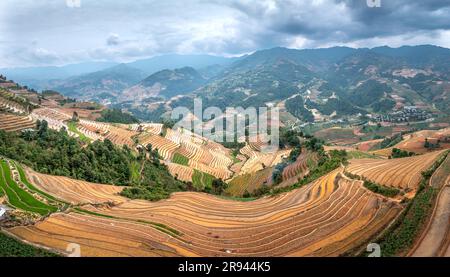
{"points": [[360, 157]]}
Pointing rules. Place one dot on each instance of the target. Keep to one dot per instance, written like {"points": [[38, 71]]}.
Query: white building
{"points": [[2, 212]]}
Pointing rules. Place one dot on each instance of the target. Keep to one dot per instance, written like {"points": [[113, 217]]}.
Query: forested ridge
{"points": [[56, 153]]}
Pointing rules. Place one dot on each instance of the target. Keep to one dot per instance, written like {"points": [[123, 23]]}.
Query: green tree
{"points": [[218, 186]]}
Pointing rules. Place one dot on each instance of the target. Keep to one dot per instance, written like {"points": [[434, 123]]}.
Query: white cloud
{"points": [[123, 30]]}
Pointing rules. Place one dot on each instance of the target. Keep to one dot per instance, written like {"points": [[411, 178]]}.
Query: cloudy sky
{"points": [[56, 32]]}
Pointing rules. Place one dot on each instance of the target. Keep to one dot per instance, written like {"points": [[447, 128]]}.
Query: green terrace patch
{"points": [[82, 211], [202, 180], [73, 128], [163, 228], [239, 199], [18, 197], [180, 159], [24, 180]]}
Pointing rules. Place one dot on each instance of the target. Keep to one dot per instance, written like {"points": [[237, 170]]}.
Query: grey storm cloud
{"points": [[51, 31], [348, 19], [397, 17]]}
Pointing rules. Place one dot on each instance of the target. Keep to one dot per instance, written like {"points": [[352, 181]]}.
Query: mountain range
{"points": [[65, 77], [333, 82], [311, 84]]}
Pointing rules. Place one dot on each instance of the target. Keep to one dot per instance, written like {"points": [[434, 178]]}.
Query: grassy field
{"points": [[202, 180], [180, 159], [18, 197], [73, 128]]}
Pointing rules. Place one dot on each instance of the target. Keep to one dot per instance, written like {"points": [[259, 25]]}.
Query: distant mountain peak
{"points": [[166, 84]]}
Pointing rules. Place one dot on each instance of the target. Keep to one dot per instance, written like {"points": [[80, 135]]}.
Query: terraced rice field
{"points": [[180, 159], [75, 191], [183, 173], [326, 218], [256, 143], [17, 196], [202, 180], [84, 110], [152, 128], [435, 240], [11, 106], [319, 218], [297, 170], [249, 182], [203, 155], [51, 113], [337, 147], [338, 136], [74, 129], [239, 161], [54, 118], [219, 159], [403, 173], [95, 127], [415, 142], [86, 129], [385, 152], [121, 136], [217, 172], [165, 147], [23, 178], [200, 151], [361, 155], [195, 152], [367, 145], [260, 160], [438, 180], [98, 236], [297, 167], [6, 84], [13, 123]]}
